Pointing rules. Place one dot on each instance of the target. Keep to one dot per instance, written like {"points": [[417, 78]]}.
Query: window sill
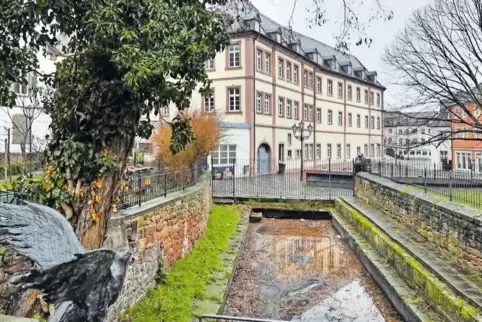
{"points": [[234, 112], [234, 68], [211, 70]]}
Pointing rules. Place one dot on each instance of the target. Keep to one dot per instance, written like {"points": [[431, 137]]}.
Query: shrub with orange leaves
{"points": [[207, 131]]}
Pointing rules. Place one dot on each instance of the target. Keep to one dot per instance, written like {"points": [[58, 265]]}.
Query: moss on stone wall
{"points": [[436, 292]]}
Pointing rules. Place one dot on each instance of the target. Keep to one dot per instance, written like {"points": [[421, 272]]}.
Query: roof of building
{"points": [[415, 119], [325, 56]]}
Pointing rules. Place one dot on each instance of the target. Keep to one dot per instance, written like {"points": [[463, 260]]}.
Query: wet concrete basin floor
{"points": [[300, 270]]}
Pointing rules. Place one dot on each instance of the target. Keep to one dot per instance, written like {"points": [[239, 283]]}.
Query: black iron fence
{"points": [[463, 186], [290, 179], [140, 187]]}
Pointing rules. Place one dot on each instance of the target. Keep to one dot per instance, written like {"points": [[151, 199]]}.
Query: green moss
{"points": [[417, 276], [299, 204], [188, 279]]}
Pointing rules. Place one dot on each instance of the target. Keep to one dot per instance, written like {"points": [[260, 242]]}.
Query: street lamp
{"points": [[302, 133]]}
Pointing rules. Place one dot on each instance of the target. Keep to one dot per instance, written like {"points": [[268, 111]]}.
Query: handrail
{"points": [[233, 318]]}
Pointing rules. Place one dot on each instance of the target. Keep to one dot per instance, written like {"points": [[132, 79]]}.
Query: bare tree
{"points": [[28, 108], [437, 60]]}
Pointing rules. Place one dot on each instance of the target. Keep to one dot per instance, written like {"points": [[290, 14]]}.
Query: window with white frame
{"points": [[372, 150], [318, 151], [305, 113], [366, 96], [281, 68], [372, 121], [318, 84], [281, 106], [330, 117], [267, 103], [378, 99], [310, 80], [328, 150], [288, 109], [305, 78], [267, 63], [338, 151], [165, 110], [340, 90], [350, 120], [463, 161], [209, 64], [358, 95], [330, 87], [311, 151], [348, 151], [318, 115], [349, 92], [358, 150], [225, 154], [296, 110], [371, 99], [296, 74], [209, 103], [290, 155], [365, 149], [366, 121], [289, 139], [259, 99], [259, 59], [378, 122], [340, 118], [288, 71], [305, 152], [234, 55], [310, 113], [298, 154], [378, 150], [234, 99]]}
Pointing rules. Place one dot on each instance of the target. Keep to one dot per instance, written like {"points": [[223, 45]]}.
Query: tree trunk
{"points": [[90, 232]]}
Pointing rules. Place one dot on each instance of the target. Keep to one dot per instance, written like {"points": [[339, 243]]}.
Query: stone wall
{"points": [[160, 231], [456, 229]]}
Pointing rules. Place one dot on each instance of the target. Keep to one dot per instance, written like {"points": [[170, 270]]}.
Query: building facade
{"points": [[418, 137], [268, 79], [26, 123], [467, 141]]}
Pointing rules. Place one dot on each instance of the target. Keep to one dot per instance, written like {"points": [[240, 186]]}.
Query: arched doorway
{"points": [[263, 165], [390, 152]]}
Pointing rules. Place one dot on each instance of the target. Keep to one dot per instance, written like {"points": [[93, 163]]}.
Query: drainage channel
{"points": [[294, 267]]}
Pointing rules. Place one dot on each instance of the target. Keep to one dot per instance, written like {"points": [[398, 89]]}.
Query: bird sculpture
{"points": [[81, 284]]}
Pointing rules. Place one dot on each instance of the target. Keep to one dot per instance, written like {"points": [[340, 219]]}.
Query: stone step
{"points": [[444, 283], [409, 304]]}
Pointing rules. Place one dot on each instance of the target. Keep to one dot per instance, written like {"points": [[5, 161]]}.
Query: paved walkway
{"points": [[286, 186]]}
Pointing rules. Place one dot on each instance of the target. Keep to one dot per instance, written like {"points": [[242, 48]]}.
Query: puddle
{"points": [[300, 271]]}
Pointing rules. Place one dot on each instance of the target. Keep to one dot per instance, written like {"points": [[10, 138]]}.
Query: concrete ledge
{"points": [[437, 293], [455, 209]]}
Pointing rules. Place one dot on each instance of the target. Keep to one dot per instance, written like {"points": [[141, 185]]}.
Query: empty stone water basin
{"points": [[300, 270]]}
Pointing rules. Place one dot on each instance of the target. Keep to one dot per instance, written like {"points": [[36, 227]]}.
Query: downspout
{"points": [[255, 62]]}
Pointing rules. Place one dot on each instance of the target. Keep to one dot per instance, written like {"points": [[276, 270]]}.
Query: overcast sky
{"points": [[382, 33]]}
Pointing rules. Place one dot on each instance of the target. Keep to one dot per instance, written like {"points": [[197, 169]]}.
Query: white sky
{"points": [[383, 33]]}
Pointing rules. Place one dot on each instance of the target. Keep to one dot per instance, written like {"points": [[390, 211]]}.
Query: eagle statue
{"points": [[81, 284]]}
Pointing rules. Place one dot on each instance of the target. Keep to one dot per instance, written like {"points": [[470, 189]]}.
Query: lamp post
{"points": [[302, 132]]}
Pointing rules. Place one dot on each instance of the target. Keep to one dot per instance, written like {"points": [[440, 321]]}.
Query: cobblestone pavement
{"points": [[286, 186]]}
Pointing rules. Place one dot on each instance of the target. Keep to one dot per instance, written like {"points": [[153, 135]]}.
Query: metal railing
{"points": [[271, 178], [141, 187], [222, 318], [463, 186]]}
